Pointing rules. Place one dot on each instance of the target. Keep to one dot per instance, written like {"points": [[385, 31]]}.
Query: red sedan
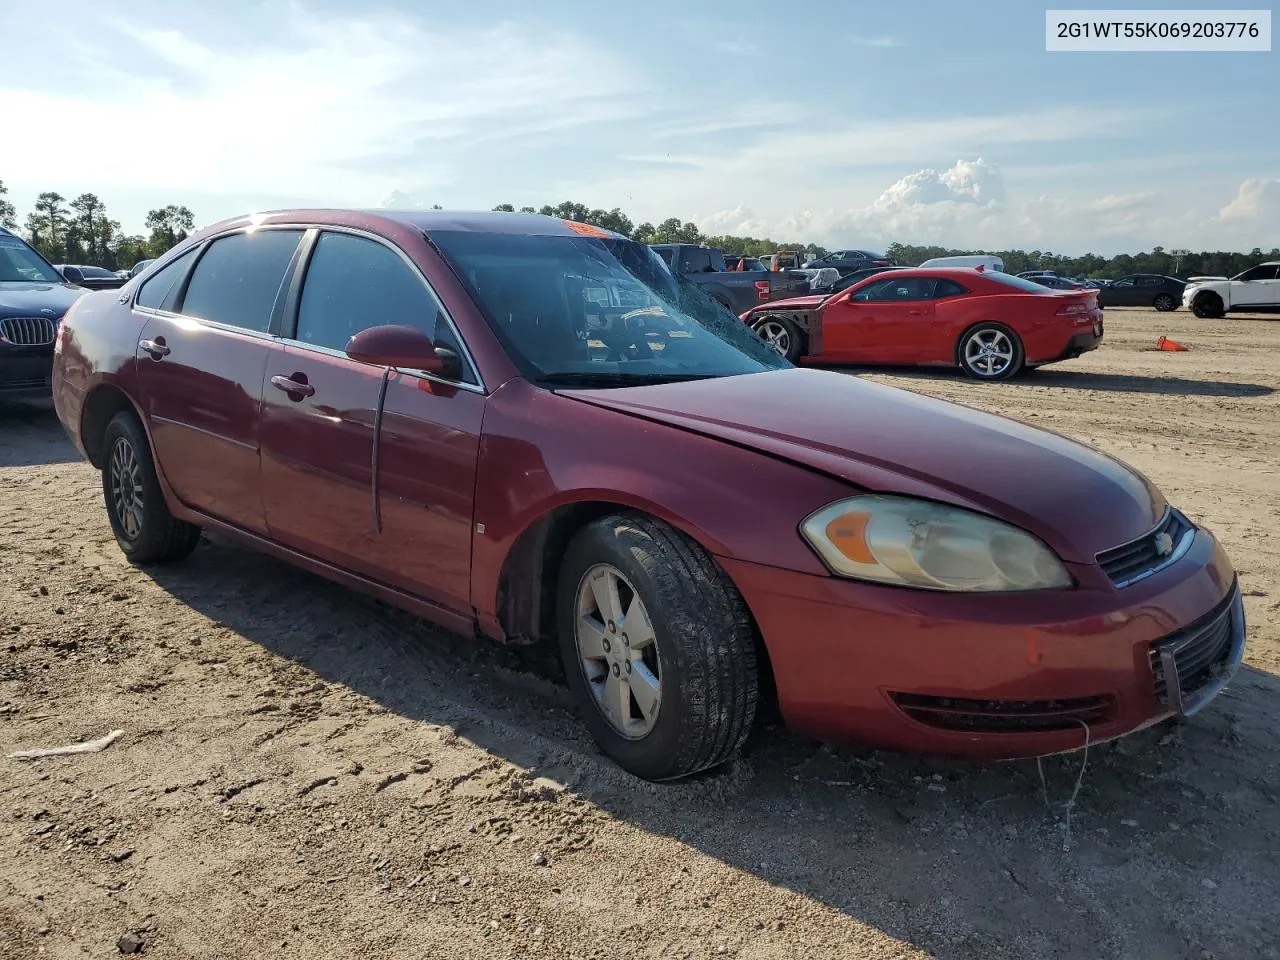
{"points": [[529, 430], [991, 325]]}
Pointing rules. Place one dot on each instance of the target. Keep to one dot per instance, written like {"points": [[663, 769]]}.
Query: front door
{"points": [[201, 357], [318, 431], [883, 322], [1256, 287]]}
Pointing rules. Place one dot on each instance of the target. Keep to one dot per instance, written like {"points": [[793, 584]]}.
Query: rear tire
{"points": [[1165, 303], [1208, 306], [145, 529], [671, 625], [782, 334], [990, 351]]}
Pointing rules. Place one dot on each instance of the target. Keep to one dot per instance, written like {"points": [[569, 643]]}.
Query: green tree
{"points": [[169, 226], [47, 224], [504, 208], [91, 227], [128, 250], [8, 212]]}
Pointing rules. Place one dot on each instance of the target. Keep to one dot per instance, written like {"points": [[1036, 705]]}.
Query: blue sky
{"points": [[848, 124]]}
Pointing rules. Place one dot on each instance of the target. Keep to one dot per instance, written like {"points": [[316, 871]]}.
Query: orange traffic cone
{"points": [[1164, 343]]}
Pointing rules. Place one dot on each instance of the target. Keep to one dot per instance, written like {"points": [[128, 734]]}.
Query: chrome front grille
{"points": [[28, 331], [1138, 559]]}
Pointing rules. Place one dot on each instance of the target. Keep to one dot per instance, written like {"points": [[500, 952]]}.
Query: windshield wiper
{"points": [[615, 378]]}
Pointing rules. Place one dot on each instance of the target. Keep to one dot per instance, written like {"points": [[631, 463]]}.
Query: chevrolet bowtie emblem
{"points": [[1164, 544]]}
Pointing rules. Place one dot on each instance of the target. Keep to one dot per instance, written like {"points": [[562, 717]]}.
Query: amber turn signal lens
{"points": [[848, 534]]}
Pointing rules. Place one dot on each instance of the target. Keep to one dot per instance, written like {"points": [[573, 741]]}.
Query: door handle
{"points": [[916, 313], [297, 389], [155, 347]]}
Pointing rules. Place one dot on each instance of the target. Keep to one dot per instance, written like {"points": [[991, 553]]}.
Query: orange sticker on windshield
{"points": [[585, 229]]}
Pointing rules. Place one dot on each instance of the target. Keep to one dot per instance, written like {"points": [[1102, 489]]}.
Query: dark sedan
{"points": [[91, 278], [529, 429], [1054, 282], [1144, 290], [846, 261], [33, 298]]}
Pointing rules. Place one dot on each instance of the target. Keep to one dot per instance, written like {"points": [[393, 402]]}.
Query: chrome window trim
{"points": [[420, 374], [466, 357]]}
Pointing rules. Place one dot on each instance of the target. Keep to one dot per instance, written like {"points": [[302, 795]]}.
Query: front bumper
{"points": [[25, 372], [996, 676]]}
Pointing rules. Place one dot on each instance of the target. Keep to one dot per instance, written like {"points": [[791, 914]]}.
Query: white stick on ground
{"points": [[91, 746]]}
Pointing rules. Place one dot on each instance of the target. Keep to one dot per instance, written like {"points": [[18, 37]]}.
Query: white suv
{"points": [[1257, 289]]}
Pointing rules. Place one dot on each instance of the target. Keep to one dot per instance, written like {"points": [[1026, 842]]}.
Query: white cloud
{"points": [[1258, 200], [969, 206], [333, 108], [881, 42]]}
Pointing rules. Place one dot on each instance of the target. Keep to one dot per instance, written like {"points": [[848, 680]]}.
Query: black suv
{"points": [[33, 299]]}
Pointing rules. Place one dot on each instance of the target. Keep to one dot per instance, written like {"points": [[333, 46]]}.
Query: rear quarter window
{"points": [[155, 291]]}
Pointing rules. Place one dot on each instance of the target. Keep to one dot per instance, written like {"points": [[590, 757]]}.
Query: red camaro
{"points": [[528, 429], [991, 325]]}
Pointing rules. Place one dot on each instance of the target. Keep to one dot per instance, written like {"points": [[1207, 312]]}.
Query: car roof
{"points": [[430, 221]]}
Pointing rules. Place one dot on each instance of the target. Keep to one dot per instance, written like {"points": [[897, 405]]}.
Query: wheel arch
{"points": [[525, 604], [101, 404]]}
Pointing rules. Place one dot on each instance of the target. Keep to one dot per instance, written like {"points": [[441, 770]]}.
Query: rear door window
{"points": [[239, 277], [948, 288]]}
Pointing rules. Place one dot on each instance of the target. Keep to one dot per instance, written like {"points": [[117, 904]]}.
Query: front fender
{"points": [[542, 451]]}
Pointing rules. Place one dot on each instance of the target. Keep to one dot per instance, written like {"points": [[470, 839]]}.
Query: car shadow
{"points": [[1084, 380], [31, 435], [961, 860]]}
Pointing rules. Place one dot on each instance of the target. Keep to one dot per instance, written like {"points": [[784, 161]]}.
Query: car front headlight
{"points": [[917, 543]]}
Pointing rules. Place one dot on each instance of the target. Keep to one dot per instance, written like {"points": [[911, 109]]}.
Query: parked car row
{"points": [[533, 430]]}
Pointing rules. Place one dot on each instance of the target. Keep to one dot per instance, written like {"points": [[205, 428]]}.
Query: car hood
{"points": [[794, 303], [33, 299], [1077, 499]]}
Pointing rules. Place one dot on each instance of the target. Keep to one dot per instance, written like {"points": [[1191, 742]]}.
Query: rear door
{"points": [[886, 321], [318, 429], [201, 357]]}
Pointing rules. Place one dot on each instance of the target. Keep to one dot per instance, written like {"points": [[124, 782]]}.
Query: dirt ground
{"points": [[305, 773]]}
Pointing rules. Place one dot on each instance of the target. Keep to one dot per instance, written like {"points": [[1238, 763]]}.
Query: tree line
{"points": [[1169, 263], [80, 231]]}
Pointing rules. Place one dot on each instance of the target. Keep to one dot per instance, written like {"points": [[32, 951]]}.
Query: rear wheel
{"points": [[1207, 306], [990, 351], [782, 334], [1164, 303], [145, 529], [658, 647]]}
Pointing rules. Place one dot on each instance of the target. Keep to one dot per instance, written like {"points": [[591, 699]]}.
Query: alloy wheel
{"points": [[618, 650], [126, 487], [988, 353], [775, 334]]}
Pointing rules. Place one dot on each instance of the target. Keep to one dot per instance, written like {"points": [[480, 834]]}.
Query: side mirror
{"points": [[397, 346], [72, 275]]}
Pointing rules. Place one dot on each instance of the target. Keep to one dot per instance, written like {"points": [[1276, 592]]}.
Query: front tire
{"points": [[145, 529], [658, 647], [990, 351], [1208, 306], [1165, 303], [782, 334]]}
